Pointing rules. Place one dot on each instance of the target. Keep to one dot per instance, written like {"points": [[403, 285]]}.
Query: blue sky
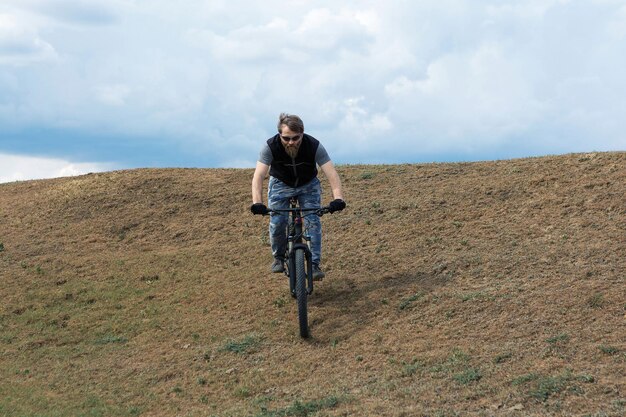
{"points": [[96, 85]]}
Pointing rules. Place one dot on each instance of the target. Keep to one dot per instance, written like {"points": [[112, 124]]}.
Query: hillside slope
{"points": [[492, 288]]}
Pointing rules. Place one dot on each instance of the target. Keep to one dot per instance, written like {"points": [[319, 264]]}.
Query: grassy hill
{"points": [[492, 288]]}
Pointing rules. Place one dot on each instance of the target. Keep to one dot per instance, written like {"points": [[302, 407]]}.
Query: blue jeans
{"points": [[309, 196]]}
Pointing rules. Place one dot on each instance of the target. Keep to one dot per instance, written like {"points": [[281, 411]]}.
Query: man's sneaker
{"points": [[278, 266], [318, 274]]}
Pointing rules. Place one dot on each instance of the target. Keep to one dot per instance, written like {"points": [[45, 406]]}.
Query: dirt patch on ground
{"points": [[492, 288]]}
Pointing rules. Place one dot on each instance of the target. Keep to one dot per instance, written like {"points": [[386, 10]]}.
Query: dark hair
{"points": [[293, 122]]}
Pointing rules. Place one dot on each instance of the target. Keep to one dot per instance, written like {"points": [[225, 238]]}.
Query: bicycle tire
{"points": [[301, 293]]}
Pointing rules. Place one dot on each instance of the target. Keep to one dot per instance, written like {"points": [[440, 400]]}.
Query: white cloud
{"points": [[281, 41], [533, 9], [483, 93], [20, 44], [357, 117], [114, 95], [89, 12], [71, 12], [20, 168], [617, 25]]}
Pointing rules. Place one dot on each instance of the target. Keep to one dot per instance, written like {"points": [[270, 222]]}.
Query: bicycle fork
{"points": [[309, 267], [291, 267]]}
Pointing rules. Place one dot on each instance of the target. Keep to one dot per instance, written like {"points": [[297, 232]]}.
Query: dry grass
{"points": [[492, 288]]}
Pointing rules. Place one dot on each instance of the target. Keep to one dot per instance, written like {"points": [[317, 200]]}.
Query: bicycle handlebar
{"points": [[320, 211]]}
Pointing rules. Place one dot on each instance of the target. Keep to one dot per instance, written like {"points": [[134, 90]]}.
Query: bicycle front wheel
{"points": [[301, 293]]}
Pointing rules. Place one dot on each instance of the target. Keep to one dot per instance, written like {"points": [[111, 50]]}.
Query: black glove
{"points": [[258, 208], [336, 205]]}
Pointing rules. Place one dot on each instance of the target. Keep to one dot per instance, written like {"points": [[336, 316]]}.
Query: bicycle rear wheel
{"points": [[301, 293]]}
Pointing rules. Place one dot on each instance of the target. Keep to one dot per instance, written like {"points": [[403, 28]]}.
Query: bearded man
{"points": [[291, 157]]}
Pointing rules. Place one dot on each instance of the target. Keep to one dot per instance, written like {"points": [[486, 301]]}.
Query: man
{"points": [[292, 157]]}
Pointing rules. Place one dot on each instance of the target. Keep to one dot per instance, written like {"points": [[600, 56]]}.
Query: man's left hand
{"points": [[336, 205]]}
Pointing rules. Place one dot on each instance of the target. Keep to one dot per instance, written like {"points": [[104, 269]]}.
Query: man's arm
{"points": [[257, 182], [333, 178]]}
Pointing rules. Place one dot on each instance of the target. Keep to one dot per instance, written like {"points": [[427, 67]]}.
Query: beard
{"points": [[292, 150]]}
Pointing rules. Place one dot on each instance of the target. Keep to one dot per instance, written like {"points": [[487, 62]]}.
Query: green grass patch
{"points": [[302, 409], [408, 302], [524, 379], [368, 175], [587, 379], [547, 386], [608, 350], [558, 338], [619, 405], [433, 240], [280, 302], [25, 404], [262, 401], [458, 357], [596, 301], [541, 387], [503, 357], [107, 339], [242, 392], [244, 345], [411, 368], [457, 366], [467, 376]]}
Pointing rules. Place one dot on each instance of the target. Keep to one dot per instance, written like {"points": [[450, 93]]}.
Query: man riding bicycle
{"points": [[292, 157]]}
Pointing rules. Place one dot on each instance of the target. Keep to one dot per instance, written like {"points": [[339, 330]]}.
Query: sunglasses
{"points": [[291, 139]]}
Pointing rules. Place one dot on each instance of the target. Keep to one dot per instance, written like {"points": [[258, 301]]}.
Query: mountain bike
{"points": [[298, 257]]}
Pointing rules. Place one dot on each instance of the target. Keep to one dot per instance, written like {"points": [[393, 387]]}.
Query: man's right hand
{"points": [[258, 208]]}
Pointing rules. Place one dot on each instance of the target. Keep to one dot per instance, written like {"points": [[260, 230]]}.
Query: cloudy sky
{"points": [[92, 85]]}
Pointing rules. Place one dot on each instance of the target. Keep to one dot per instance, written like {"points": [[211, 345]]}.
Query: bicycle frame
{"points": [[298, 238]]}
